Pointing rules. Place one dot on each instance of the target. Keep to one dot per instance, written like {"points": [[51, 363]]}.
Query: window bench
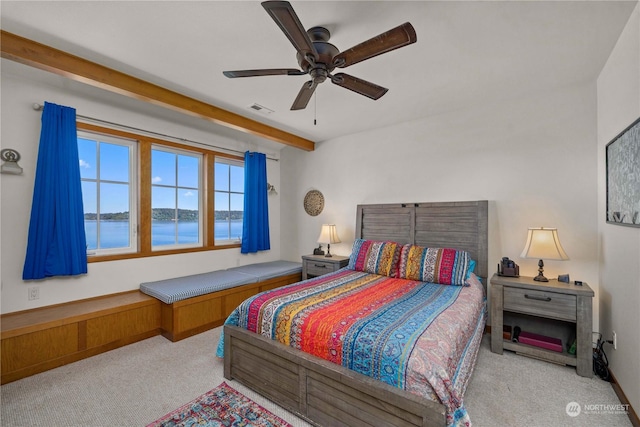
{"points": [[34, 341], [44, 338], [193, 304]]}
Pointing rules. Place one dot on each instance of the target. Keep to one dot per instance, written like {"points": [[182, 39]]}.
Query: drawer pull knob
{"points": [[547, 299], [320, 265]]}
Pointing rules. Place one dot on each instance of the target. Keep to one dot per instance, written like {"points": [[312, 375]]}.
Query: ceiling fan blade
{"points": [[267, 72], [360, 86], [304, 95], [395, 38], [283, 14]]}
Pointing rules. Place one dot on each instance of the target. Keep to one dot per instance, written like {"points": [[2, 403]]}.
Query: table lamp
{"points": [[543, 243], [328, 235]]}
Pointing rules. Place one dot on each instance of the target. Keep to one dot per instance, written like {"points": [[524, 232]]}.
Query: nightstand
{"points": [[317, 265], [553, 309]]}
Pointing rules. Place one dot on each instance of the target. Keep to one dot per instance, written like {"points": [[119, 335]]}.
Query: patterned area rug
{"points": [[221, 407]]}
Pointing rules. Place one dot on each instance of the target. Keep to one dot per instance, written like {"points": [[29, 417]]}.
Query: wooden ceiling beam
{"points": [[46, 58]]}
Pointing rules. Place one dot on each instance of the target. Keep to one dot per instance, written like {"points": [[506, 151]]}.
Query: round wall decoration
{"points": [[313, 202]]}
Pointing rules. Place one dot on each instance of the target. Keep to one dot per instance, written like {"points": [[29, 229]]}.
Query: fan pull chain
{"points": [[315, 107]]}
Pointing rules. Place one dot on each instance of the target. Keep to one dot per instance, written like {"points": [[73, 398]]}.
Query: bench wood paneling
{"points": [[37, 340], [195, 315], [34, 341]]}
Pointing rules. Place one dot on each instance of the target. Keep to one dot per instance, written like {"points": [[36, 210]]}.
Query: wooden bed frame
{"points": [[326, 394]]}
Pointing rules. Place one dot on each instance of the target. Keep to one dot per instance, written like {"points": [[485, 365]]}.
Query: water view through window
{"points": [[115, 234]]}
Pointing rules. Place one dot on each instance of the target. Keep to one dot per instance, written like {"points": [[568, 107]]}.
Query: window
{"points": [[107, 170], [175, 198], [229, 200], [144, 196]]}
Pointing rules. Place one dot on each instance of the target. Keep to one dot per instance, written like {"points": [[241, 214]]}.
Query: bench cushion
{"points": [[179, 288], [268, 270]]}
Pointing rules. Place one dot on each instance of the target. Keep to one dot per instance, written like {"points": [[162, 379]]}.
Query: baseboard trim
{"points": [[633, 416]]}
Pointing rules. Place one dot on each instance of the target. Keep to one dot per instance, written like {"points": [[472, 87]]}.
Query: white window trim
{"points": [[133, 191]]}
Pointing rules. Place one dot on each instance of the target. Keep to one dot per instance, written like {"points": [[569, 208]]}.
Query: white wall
{"points": [[21, 131], [618, 106], [534, 159]]}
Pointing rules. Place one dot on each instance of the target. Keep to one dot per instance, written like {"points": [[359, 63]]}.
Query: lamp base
{"points": [[328, 255], [540, 277]]}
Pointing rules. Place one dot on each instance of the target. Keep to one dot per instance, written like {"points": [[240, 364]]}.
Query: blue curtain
{"points": [[56, 245], [255, 222]]}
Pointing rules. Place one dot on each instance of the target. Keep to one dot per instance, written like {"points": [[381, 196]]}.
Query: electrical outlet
{"points": [[34, 293], [615, 340]]}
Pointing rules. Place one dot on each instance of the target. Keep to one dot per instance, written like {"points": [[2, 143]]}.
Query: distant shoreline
{"points": [[166, 214]]}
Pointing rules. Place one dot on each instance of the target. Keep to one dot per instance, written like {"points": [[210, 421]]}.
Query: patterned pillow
{"points": [[472, 267], [375, 257], [444, 266]]}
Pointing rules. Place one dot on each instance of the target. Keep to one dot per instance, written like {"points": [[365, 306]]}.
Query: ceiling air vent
{"points": [[260, 108]]}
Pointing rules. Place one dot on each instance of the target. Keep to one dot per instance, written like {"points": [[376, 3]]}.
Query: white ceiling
{"points": [[467, 53]]}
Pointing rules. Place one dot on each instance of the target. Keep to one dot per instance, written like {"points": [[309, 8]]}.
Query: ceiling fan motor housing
{"points": [[326, 52]]}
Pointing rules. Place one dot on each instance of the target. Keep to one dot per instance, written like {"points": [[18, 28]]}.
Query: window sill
{"points": [[116, 257]]}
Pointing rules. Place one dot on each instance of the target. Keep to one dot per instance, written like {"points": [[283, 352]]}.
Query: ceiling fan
{"points": [[318, 58]]}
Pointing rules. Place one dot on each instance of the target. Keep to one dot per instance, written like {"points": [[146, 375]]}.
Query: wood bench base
{"points": [[192, 316], [34, 341], [37, 340]]}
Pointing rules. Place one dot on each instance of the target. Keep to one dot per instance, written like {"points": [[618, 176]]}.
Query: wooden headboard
{"points": [[459, 225]]}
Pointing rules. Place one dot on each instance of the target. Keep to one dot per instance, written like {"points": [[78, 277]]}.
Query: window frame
{"points": [[143, 180]]}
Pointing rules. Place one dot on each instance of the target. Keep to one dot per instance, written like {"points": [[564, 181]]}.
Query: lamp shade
{"points": [[328, 234], [543, 243]]}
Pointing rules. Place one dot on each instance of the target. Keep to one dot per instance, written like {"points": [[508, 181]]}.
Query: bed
{"points": [[429, 333]]}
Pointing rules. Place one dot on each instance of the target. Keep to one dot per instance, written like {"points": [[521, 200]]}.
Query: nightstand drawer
{"points": [[318, 265], [318, 268], [540, 303]]}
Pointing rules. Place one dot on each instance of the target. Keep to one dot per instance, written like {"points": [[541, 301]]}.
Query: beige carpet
{"points": [[137, 384], [514, 390]]}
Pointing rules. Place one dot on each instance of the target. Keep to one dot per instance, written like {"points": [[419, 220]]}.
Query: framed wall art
{"points": [[623, 177]]}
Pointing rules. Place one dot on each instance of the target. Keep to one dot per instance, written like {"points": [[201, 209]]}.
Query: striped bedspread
{"points": [[416, 336]]}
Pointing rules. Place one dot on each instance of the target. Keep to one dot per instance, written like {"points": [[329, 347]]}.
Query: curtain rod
{"points": [[39, 107]]}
